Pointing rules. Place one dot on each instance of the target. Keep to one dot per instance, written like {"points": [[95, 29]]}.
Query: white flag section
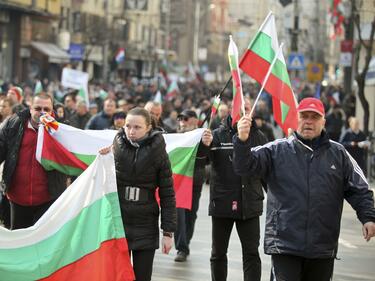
{"points": [[70, 151], [83, 226]]}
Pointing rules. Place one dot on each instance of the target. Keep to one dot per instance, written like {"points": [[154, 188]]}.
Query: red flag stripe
{"points": [[59, 153], [110, 262]]}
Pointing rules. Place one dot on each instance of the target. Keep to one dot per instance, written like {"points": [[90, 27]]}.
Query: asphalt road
{"points": [[356, 256]]}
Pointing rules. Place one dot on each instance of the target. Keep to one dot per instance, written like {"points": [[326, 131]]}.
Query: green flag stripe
{"points": [[284, 111], [68, 170], [183, 160], [232, 62], [262, 47], [82, 235], [87, 159]]}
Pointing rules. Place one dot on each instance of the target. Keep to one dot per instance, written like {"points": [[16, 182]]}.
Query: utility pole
{"points": [[317, 42], [295, 31], [167, 31], [196, 33], [349, 33], [106, 41]]}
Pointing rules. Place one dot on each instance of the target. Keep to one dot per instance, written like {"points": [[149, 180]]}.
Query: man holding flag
{"points": [[29, 188], [308, 177]]}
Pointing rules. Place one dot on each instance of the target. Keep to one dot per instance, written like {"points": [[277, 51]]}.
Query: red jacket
{"points": [[29, 182]]}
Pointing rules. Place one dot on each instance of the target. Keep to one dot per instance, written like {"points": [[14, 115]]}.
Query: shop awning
{"points": [[53, 52]]}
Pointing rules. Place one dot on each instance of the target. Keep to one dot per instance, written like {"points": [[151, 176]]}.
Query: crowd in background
{"points": [[108, 104]]}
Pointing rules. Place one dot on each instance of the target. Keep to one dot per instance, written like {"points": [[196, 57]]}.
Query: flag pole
{"points": [[266, 77], [230, 78]]}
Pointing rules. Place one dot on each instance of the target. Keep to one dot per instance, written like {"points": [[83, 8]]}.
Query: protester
{"points": [[118, 120], [80, 118], [16, 95], [264, 126], [171, 123], [335, 122], [142, 165], [29, 188], [60, 113], [70, 103], [93, 108], [103, 119], [234, 200], [188, 120], [222, 114], [308, 177], [156, 110], [6, 108], [354, 140]]}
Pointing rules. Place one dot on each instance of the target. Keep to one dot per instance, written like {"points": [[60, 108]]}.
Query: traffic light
{"points": [[285, 2]]}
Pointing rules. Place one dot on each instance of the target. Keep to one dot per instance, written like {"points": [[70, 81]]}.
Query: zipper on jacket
{"points": [[242, 200], [308, 198], [135, 161]]}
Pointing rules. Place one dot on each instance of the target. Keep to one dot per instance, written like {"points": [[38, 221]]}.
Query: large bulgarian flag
{"points": [[238, 102], [256, 62], [80, 237], [71, 150]]}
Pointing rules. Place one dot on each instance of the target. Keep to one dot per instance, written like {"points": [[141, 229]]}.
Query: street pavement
{"points": [[356, 257]]}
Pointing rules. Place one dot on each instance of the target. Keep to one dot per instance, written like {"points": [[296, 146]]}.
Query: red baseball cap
{"points": [[311, 104]]}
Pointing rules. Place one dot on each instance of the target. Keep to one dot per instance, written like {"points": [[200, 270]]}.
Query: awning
{"points": [[53, 52]]}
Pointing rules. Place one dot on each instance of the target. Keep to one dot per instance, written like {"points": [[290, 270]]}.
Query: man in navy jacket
{"points": [[308, 177]]}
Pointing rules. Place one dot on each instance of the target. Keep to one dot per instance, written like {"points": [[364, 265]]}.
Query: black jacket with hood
{"points": [[144, 164], [11, 134]]}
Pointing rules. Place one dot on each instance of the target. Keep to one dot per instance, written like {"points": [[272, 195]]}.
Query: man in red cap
{"points": [[308, 177], [16, 95]]}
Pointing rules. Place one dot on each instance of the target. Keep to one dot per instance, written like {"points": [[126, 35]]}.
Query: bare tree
{"points": [[361, 76]]}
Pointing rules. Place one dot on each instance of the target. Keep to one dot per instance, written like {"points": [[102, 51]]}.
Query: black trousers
{"points": [[293, 268], [142, 264], [248, 232], [186, 222], [4, 210], [25, 216]]}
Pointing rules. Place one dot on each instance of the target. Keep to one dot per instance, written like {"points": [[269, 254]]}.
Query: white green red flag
{"points": [[256, 62], [38, 87], [71, 150], [172, 90], [80, 237], [215, 107], [238, 108]]}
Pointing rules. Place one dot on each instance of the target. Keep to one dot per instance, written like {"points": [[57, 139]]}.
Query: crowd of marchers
{"points": [[246, 159]]}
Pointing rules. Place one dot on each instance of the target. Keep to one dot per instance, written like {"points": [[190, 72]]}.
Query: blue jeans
{"points": [[186, 222]]}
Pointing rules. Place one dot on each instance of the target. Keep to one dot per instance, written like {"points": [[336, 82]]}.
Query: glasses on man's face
{"points": [[42, 109], [184, 118]]}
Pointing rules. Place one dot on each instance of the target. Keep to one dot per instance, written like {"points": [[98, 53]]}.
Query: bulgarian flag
{"points": [[172, 90], [256, 63], [80, 237], [238, 107], [71, 151], [215, 107]]}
